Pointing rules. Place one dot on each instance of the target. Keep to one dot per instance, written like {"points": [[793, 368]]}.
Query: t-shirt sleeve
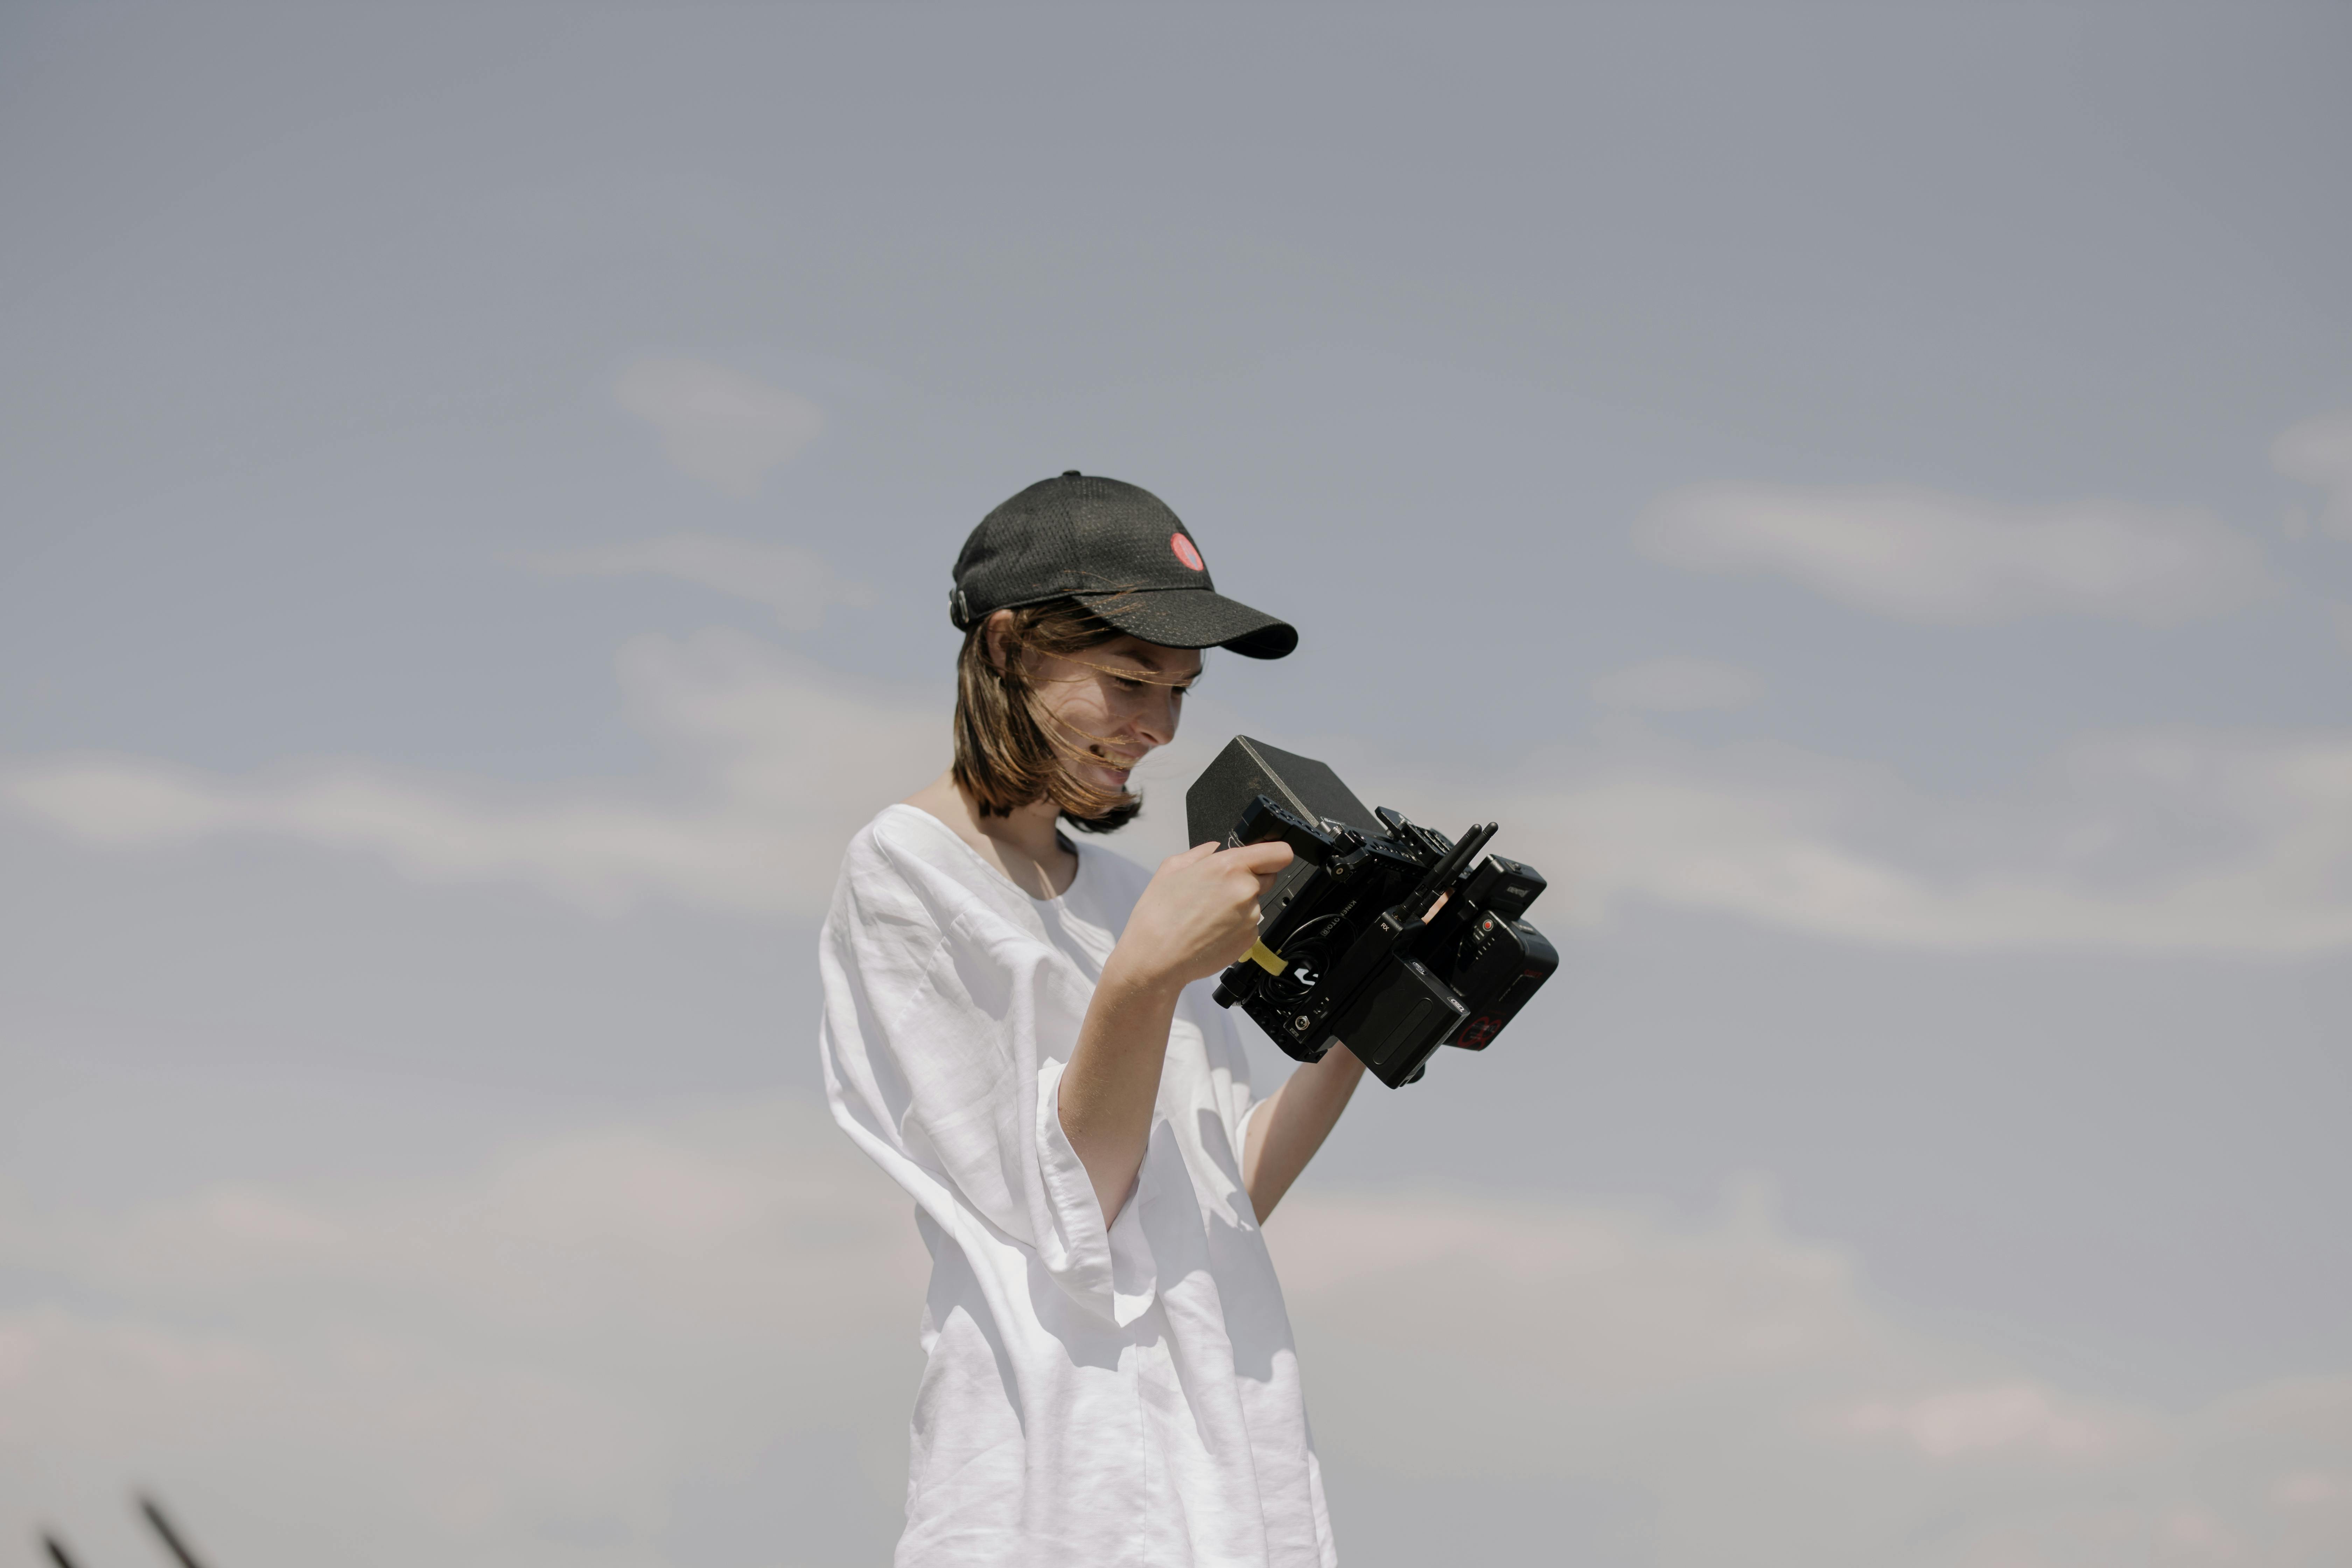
{"points": [[944, 1035]]}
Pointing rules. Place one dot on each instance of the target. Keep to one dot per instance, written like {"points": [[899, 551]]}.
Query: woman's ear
{"points": [[999, 633]]}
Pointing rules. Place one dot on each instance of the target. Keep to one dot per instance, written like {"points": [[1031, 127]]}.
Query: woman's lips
{"points": [[1113, 769]]}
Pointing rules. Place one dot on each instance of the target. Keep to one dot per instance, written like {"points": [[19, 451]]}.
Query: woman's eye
{"points": [[1128, 683]]}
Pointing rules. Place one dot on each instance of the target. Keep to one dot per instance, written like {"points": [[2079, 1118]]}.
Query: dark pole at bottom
{"points": [[163, 1526]]}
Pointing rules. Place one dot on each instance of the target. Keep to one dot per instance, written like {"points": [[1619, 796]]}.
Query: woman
{"points": [[1015, 1030]]}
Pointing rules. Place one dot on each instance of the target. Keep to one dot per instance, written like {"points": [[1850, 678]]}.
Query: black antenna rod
{"points": [[1486, 836], [163, 1526], [1441, 874], [57, 1554]]}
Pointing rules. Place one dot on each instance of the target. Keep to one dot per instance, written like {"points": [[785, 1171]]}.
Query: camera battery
{"points": [[1397, 1020]]}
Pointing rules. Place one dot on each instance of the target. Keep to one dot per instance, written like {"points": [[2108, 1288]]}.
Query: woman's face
{"points": [[1100, 708]]}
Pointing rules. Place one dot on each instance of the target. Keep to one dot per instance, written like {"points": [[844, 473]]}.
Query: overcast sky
{"points": [[1864, 496]]}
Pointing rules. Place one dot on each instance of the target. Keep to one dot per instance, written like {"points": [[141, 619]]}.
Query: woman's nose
{"points": [[1157, 721]]}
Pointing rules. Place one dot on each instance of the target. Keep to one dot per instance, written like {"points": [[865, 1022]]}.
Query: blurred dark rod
{"points": [[57, 1554], [163, 1526]]}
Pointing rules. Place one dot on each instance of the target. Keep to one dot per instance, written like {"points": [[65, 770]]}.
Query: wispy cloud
{"points": [[539, 1361], [1958, 1423], [1678, 686], [554, 1356], [796, 584], [2318, 451], [1835, 1431], [1920, 555], [2155, 840], [718, 426], [774, 762], [2173, 840]]}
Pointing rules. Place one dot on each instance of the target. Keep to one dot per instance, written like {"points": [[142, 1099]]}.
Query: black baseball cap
{"points": [[1117, 549]]}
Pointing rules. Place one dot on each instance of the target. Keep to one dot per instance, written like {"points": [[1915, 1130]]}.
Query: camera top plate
{"points": [[1246, 769]]}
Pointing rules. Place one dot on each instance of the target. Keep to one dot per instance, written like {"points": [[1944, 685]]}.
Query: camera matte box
{"points": [[1246, 769]]}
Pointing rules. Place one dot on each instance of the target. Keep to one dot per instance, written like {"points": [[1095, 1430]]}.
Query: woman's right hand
{"points": [[1198, 915]]}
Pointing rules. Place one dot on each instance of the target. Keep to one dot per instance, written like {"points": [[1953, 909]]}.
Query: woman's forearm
{"points": [[1285, 1132], [1112, 1081]]}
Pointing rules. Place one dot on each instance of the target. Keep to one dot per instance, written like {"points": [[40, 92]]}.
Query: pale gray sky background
{"points": [[1864, 494]]}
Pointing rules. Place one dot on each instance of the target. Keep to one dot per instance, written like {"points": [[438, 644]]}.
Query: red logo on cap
{"points": [[1186, 552]]}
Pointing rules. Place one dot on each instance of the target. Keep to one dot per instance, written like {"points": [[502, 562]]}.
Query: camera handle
{"points": [[1441, 875]]}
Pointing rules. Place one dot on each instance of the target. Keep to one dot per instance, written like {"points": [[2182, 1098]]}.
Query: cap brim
{"points": [[1194, 617]]}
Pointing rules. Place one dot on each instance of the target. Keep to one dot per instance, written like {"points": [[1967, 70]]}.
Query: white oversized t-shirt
{"points": [[1093, 1398]]}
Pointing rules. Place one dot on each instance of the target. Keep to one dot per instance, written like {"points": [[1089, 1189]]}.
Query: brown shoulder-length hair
{"points": [[1008, 752]]}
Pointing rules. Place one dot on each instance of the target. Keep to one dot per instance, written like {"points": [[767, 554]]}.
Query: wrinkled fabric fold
{"points": [[1107, 1271], [1093, 1393]]}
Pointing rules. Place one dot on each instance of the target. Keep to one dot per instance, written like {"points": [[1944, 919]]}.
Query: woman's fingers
{"points": [[1183, 857], [1201, 912], [1263, 862], [1262, 859], [1253, 868]]}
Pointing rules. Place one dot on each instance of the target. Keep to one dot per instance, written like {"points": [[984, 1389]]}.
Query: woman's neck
{"points": [[1025, 844]]}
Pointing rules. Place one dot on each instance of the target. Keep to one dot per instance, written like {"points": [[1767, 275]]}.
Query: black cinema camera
{"points": [[1347, 950]]}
